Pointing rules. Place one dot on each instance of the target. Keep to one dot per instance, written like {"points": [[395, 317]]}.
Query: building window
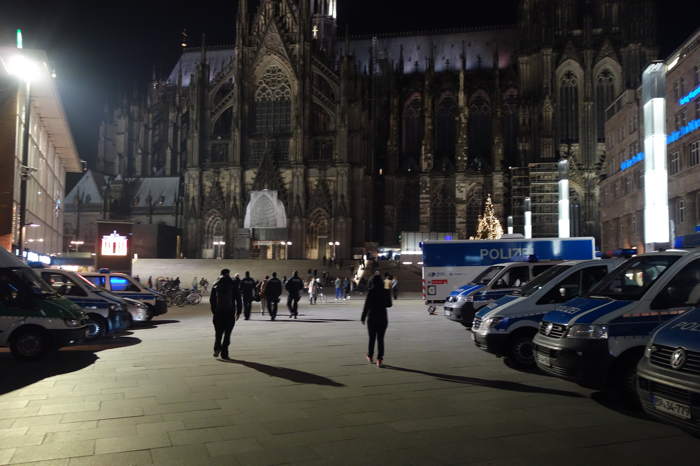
{"points": [[604, 94], [446, 131], [442, 210], [676, 94], [412, 135], [694, 157], [409, 211], [675, 163], [696, 74], [680, 211], [480, 132], [568, 105], [273, 111]]}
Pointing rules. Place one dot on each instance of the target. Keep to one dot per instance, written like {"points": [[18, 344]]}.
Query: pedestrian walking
{"points": [[346, 288], [150, 282], [376, 317], [294, 287], [248, 293], [195, 282], [237, 295], [387, 281], [312, 291], [224, 313], [262, 285], [395, 288], [338, 288], [273, 291]]}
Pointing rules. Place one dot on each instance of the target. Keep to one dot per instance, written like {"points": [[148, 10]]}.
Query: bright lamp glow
{"points": [[564, 223], [528, 218], [114, 245], [24, 68]]}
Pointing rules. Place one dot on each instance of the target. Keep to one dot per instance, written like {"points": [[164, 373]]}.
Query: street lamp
{"points": [[26, 70], [218, 245], [286, 245], [334, 244], [77, 244]]}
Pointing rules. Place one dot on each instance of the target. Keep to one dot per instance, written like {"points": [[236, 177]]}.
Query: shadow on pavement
{"points": [[18, 374], [152, 324], [292, 375], [497, 384], [314, 321], [615, 403]]}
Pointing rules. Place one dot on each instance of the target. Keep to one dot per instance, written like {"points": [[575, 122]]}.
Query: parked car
{"points": [[491, 284], [108, 313], [598, 340], [507, 326], [125, 286], [33, 318], [668, 376]]}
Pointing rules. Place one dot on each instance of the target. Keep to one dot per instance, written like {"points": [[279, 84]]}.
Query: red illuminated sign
{"points": [[114, 245]]}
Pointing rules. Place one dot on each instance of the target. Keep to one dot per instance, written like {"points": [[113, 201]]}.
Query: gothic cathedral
{"points": [[299, 133]]}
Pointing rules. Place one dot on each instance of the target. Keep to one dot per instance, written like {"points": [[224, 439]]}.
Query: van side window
{"points": [[538, 269], [591, 276], [12, 291], [683, 289], [97, 280], [122, 284], [62, 284], [514, 278], [563, 291]]}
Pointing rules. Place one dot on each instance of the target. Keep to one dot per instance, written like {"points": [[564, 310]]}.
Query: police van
{"points": [[506, 327], [110, 313], [597, 340], [448, 265], [493, 283], [125, 286], [33, 318]]}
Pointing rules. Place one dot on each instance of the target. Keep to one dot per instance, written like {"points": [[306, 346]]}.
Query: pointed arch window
{"points": [[510, 126], [408, 214], [473, 213], [604, 95], [442, 211], [480, 132], [272, 125], [568, 108], [412, 137], [446, 131]]}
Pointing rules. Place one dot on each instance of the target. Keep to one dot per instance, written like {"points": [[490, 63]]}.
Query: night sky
{"points": [[101, 52]]}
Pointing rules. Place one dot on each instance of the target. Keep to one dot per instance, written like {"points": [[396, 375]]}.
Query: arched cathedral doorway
{"points": [[214, 243], [318, 235]]}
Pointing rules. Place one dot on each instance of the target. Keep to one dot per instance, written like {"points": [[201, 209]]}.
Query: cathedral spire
{"points": [[242, 21]]}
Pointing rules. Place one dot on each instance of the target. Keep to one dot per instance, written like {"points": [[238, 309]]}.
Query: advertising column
{"points": [[656, 217], [114, 246]]}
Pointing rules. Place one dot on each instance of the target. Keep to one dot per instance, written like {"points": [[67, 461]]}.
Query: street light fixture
{"points": [[77, 244], [286, 245], [219, 246]]}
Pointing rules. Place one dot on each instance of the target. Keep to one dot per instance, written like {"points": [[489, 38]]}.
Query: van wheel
{"points": [[29, 344], [100, 324], [625, 382], [520, 352]]}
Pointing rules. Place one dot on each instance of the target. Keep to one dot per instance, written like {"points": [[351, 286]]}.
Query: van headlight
{"points": [[588, 331], [73, 322], [493, 322], [469, 299], [649, 350]]}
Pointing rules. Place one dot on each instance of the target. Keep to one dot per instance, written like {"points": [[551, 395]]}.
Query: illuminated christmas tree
{"points": [[489, 225]]}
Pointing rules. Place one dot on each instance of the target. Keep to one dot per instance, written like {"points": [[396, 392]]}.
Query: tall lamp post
{"points": [[527, 205], [334, 245], [26, 70]]}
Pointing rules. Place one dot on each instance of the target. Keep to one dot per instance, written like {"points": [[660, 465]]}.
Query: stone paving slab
{"points": [[299, 392]]}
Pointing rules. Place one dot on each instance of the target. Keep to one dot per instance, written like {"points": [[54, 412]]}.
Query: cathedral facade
{"points": [[299, 133]]}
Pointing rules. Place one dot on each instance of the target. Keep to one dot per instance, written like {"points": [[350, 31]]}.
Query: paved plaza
{"points": [[300, 392]]}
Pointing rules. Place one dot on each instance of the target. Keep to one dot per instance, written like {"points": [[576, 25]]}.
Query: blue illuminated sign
{"points": [[632, 162], [687, 129], [448, 238], [693, 94]]}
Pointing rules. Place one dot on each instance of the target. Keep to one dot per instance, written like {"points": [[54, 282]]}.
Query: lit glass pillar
{"points": [[656, 218], [510, 224], [528, 217], [564, 221]]}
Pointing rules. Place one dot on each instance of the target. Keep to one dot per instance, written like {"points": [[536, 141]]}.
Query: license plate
{"points": [[543, 359], [671, 407]]}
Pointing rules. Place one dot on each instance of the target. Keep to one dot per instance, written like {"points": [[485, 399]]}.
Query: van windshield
{"points": [[633, 278], [541, 280], [487, 275], [21, 281]]}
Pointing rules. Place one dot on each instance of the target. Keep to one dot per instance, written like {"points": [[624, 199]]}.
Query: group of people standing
{"points": [[231, 297]]}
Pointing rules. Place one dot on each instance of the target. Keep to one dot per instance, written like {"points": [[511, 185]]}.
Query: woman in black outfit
{"points": [[375, 314]]}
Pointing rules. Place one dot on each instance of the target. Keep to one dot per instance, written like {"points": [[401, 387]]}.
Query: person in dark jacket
{"points": [[237, 295], [273, 291], [248, 293], [223, 309], [294, 287], [375, 314]]}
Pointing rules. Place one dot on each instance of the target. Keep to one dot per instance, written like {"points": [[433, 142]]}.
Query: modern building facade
{"points": [[52, 154], [622, 185], [299, 134]]}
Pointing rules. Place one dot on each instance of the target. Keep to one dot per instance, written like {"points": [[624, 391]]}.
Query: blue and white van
{"points": [[506, 327], [108, 313], [493, 283], [597, 340], [125, 286]]}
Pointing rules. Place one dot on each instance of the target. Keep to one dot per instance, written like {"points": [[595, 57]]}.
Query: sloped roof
{"points": [[89, 188], [217, 59], [157, 189]]}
